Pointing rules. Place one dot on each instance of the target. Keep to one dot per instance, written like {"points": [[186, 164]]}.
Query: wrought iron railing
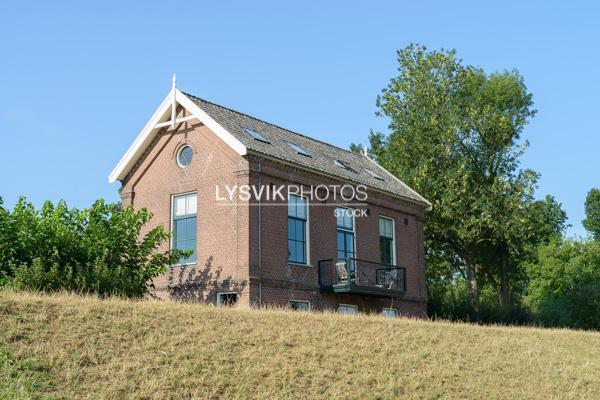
{"points": [[354, 273]]}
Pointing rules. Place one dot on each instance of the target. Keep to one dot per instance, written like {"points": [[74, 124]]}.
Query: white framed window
{"points": [[387, 240], [183, 224], [299, 305], [389, 312], [298, 222], [227, 298], [346, 235], [184, 156], [347, 309]]}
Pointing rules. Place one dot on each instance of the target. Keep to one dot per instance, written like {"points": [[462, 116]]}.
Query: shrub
{"points": [[98, 250]]}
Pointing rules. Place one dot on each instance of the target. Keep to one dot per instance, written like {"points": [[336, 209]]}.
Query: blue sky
{"points": [[79, 81]]}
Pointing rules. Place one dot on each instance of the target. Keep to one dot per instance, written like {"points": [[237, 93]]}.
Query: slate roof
{"points": [[322, 155]]}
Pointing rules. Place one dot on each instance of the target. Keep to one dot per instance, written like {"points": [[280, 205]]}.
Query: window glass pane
{"points": [[291, 205], [339, 216], [385, 245], [389, 312], [191, 204], [291, 228], [299, 230], [344, 218], [179, 206], [350, 243], [299, 305], [300, 252], [349, 221], [343, 309], [191, 228], [340, 243], [386, 227], [292, 251], [301, 207]]}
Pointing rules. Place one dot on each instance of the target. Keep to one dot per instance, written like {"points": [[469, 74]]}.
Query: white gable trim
{"points": [[159, 117]]}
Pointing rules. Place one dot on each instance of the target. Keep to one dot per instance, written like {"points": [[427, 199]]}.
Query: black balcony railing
{"points": [[350, 275]]}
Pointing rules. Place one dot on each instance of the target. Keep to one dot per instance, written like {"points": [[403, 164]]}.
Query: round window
{"points": [[184, 157]]}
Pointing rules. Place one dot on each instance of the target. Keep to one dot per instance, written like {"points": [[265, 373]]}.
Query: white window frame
{"points": [[290, 301], [347, 230], [307, 264], [218, 302], [172, 225], [395, 310], [179, 153], [350, 306], [394, 261]]}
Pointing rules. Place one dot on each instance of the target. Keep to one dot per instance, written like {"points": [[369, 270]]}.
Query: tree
{"points": [[100, 249], [565, 284], [592, 213], [455, 137]]}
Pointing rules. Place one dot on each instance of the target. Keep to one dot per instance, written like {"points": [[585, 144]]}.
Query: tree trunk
{"points": [[504, 285], [471, 270]]}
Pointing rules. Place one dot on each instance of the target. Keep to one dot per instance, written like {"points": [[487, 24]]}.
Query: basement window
{"points": [[227, 298], [298, 149], [374, 175], [347, 309], [389, 312], [299, 305], [255, 135]]}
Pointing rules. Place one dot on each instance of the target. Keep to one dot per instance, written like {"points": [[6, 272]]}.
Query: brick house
{"points": [[334, 230]]}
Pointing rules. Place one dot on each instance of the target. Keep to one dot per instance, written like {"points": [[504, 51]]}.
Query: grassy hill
{"points": [[66, 346]]}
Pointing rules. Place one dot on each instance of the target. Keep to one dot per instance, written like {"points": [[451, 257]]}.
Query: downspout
{"points": [[260, 271]]}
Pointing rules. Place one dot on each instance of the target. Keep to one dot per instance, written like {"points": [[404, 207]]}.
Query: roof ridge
{"points": [[270, 123]]}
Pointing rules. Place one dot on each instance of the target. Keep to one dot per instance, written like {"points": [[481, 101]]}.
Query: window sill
{"points": [[299, 264], [184, 265]]}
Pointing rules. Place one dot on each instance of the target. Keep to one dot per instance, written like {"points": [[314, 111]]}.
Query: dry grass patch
{"points": [[86, 348]]}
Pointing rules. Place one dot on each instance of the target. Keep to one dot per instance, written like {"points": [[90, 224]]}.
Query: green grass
{"points": [[65, 346]]}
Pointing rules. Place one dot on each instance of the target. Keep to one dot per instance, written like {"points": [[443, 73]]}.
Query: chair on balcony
{"points": [[341, 271], [389, 279]]}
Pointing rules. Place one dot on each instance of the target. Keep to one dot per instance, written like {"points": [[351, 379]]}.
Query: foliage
{"points": [[592, 213], [100, 249], [565, 284], [455, 137]]}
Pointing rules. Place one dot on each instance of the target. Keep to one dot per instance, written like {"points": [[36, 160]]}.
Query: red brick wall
{"points": [[222, 233], [283, 281]]}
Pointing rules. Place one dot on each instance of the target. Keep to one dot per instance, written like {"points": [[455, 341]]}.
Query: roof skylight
{"points": [[342, 164], [374, 175], [298, 149], [255, 135]]}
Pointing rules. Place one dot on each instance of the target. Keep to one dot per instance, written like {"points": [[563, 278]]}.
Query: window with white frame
{"points": [[389, 312], [387, 246], [297, 229], [347, 309], [299, 305], [227, 298], [345, 234], [184, 225]]}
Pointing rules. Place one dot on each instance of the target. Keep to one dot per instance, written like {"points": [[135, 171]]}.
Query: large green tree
{"points": [[592, 213], [455, 137]]}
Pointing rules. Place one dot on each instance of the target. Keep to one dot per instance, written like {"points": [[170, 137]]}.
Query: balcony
{"points": [[350, 275]]}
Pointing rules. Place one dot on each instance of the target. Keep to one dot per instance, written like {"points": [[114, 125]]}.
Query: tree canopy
{"points": [[592, 213], [455, 137]]}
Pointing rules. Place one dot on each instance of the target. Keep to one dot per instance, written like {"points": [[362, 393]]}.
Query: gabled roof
{"points": [[280, 144]]}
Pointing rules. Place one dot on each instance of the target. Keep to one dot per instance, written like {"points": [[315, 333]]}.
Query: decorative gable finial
{"points": [[174, 101], [365, 151]]}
